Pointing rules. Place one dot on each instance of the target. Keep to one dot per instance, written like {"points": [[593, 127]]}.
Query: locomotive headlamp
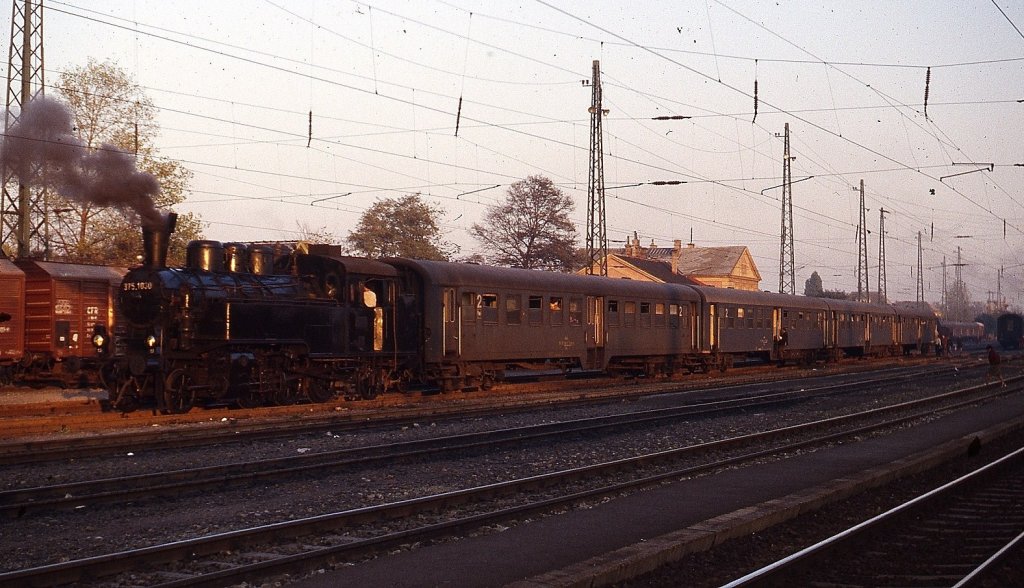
{"points": [[151, 341], [99, 338]]}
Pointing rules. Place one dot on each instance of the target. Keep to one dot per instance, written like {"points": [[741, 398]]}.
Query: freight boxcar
{"points": [[12, 319], [64, 304]]}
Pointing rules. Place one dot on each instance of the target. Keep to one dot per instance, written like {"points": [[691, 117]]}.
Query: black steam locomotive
{"points": [[244, 325]]}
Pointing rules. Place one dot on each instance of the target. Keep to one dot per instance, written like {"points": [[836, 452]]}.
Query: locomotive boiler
{"points": [[250, 325]]}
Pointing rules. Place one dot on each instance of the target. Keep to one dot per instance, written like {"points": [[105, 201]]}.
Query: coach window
{"points": [[536, 310], [575, 312], [729, 314], [740, 313], [645, 314], [489, 306], [629, 314], [673, 316], [513, 316], [612, 319], [557, 311], [470, 307], [659, 314]]}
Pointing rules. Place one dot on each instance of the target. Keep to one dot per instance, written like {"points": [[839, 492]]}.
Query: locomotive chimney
{"points": [[156, 239]]}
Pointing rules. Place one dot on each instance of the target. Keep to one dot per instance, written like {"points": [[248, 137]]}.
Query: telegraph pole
{"points": [[920, 271], [999, 290], [945, 297], [24, 82], [882, 291], [597, 230], [787, 265], [863, 287]]}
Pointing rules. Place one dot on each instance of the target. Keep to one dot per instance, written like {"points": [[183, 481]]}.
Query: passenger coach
{"points": [[480, 321]]}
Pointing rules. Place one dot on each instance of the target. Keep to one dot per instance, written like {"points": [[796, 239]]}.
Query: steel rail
{"points": [[87, 568], [787, 563], [40, 450], [21, 501]]}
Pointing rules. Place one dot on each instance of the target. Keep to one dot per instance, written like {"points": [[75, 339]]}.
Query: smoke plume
{"points": [[42, 150]]}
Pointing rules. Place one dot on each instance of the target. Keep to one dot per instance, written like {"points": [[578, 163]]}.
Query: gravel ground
{"points": [[48, 538]]}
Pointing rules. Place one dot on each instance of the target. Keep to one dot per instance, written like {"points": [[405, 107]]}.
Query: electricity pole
{"points": [[882, 290], [863, 287], [24, 82], [597, 230], [920, 271], [787, 265]]}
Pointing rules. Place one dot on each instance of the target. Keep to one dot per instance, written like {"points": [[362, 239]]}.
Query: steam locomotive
{"points": [[250, 325]]}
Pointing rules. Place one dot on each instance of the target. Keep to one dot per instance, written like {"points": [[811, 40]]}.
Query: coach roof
{"points": [[441, 273]]}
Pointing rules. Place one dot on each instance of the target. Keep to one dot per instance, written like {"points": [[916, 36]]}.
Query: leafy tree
{"points": [[310, 235], [836, 295], [531, 229], [109, 108], [401, 227], [812, 287]]}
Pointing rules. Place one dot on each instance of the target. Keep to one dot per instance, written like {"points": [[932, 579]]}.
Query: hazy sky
{"points": [[235, 81]]}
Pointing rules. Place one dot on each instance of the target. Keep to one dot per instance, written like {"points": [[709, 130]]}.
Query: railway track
{"points": [[956, 535], [20, 502], [301, 545]]}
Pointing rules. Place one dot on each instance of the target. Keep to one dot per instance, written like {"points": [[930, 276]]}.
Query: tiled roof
{"points": [[697, 261], [658, 269]]}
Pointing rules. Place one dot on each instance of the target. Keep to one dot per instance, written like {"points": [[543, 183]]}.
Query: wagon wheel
{"points": [[318, 390], [126, 397], [109, 373], [366, 388], [486, 381], [179, 394], [247, 399], [402, 382]]}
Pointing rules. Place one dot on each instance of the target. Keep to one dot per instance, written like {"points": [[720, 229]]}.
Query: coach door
{"points": [[595, 332], [451, 323], [713, 327], [776, 324]]}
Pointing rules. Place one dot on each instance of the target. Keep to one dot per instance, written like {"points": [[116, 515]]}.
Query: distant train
{"points": [[54, 310], [1010, 330], [961, 333], [248, 325]]}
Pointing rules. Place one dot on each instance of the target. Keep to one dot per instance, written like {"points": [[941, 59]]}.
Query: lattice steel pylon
{"points": [[23, 211], [597, 228], [883, 291], [787, 264], [863, 287], [920, 270]]}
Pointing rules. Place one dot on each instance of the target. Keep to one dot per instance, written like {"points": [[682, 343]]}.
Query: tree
{"points": [[531, 229], [110, 110], [813, 287], [401, 227], [310, 235]]}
